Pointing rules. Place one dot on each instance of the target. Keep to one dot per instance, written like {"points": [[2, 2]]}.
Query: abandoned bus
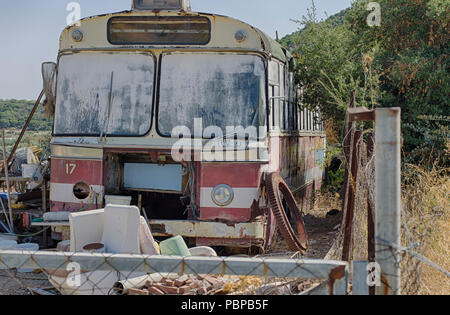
{"points": [[129, 86]]}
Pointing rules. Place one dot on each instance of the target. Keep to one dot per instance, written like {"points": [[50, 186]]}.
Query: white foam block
{"points": [[121, 229], [146, 239], [85, 228]]}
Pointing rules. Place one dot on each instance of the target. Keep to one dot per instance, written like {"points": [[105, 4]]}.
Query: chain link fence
{"points": [[48, 273], [425, 251]]}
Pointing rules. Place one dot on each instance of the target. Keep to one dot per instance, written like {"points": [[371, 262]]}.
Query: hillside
{"points": [[14, 113]]}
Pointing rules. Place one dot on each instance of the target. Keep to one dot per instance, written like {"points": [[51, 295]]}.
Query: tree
{"points": [[404, 62]]}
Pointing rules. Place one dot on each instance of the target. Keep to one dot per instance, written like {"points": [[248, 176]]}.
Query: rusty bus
{"points": [[124, 81]]}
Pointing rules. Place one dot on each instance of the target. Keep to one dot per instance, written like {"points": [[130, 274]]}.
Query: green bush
{"points": [[403, 63], [14, 114]]}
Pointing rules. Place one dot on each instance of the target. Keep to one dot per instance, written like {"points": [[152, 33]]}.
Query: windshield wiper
{"points": [[110, 100]]}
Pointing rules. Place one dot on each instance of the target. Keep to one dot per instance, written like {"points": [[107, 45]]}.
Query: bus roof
{"points": [[223, 30]]}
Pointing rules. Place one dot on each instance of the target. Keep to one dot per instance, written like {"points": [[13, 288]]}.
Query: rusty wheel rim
{"points": [[292, 227]]}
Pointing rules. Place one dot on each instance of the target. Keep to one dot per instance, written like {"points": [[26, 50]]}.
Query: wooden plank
{"points": [[361, 114], [351, 194], [58, 223]]}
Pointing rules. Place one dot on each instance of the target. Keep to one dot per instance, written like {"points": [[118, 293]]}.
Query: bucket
{"points": [[117, 200], [98, 248], [174, 246]]}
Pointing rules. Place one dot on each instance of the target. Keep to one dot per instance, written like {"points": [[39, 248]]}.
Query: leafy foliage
{"points": [[403, 63], [14, 113]]}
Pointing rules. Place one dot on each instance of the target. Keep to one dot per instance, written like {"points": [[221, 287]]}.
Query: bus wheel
{"points": [[288, 216]]}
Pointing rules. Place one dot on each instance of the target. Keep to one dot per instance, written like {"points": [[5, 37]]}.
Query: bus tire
{"points": [[289, 219]]}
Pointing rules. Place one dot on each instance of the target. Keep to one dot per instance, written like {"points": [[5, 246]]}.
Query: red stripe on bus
{"points": [[75, 171], [244, 175], [226, 214]]}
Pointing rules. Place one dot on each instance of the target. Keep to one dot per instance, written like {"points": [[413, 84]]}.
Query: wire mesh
{"points": [[103, 274]]}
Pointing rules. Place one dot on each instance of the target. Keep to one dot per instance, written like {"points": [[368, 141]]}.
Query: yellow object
{"points": [[18, 206], [36, 151], [157, 247], [243, 285]]}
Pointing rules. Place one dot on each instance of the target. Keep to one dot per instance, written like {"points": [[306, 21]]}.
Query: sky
{"points": [[30, 29]]}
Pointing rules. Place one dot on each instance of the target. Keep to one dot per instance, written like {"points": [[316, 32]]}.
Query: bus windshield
{"points": [[108, 94], [221, 89]]}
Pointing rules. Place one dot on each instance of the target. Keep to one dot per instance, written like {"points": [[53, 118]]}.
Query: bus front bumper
{"points": [[213, 233]]}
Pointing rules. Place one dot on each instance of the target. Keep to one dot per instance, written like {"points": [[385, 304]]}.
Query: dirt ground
{"points": [[17, 283], [322, 229]]}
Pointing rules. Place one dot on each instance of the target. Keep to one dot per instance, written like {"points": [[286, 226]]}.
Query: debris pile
{"points": [[184, 285], [244, 284]]}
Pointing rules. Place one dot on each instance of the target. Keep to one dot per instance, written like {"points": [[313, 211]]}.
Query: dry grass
{"points": [[426, 202], [425, 228], [332, 131]]}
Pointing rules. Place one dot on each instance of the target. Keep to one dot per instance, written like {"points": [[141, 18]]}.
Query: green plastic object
{"points": [[174, 246], [36, 220]]}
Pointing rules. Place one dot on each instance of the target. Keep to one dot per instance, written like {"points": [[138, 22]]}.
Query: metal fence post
{"points": [[388, 198], [360, 275]]}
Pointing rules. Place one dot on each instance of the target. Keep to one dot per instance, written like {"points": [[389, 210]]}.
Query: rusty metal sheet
{"points": [[197, 229]]}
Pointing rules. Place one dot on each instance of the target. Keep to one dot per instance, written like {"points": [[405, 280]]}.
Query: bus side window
{"points": [[279, 108], [282, 95], [301, 125], [308, 120], [274, 83], [273, 109], [294, 100]]}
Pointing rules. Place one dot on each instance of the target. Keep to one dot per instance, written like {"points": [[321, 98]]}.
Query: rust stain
{"points": [[394, 110], [224, 268], [385, 284], [265, 270], [242, 233], [335, 274]]}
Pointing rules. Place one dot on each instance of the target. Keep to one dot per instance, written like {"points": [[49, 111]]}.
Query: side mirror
{"points": [[49, 79]]}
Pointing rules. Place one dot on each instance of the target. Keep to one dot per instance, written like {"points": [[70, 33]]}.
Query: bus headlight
{"points": [[222, 195], [240, 36], [77, 35]]}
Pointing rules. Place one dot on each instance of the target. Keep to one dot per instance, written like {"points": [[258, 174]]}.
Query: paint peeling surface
{"points": [[224, 90], [253, 230], [104, 94]]}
